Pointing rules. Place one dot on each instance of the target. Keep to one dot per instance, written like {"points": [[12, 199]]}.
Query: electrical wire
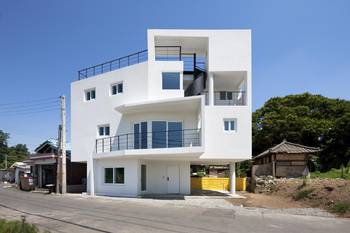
{"points": [[29, 101]]}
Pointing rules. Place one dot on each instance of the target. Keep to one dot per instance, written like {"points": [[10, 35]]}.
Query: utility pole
{"points": [[63, 145], [58, 161]]}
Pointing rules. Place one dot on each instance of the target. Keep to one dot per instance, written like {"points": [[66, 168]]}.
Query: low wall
{"points": [[219, 184], [263, 169]]}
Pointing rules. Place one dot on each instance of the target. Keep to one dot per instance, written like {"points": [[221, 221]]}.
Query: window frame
{"points": [[89, 91], [179, 80], [229, 124], [113, 175], [104, 131], [116, 86]]}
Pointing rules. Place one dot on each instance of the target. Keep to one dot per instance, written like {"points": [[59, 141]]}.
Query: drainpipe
{"points": [[232, 179]]}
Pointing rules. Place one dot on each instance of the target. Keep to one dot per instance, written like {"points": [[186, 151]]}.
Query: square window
{"points": [[229, 95], [108, 175], [229, 125], [103, 130], [117, 88], [90, 94], [171, 81], [119, 175]]}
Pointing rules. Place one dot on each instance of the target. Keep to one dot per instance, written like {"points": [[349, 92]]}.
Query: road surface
{"points": [[80, 214]]}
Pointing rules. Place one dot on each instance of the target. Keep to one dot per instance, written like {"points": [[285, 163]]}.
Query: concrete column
{"points": [[211, 90], [232, 178], [90, 175]]}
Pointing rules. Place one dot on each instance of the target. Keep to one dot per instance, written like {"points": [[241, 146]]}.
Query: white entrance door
{"points": [[173, 179]]}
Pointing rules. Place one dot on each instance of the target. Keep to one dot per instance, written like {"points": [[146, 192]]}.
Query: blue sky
{"points": [[298, 46]]}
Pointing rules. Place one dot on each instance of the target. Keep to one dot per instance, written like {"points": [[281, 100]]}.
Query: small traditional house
{"points": [[44, 167], [284, 160]]}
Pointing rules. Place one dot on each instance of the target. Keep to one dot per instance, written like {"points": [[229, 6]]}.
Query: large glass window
{"points": [[119, 175], [158, 134], [140, 135], [175, 134], [108, 175], [171, 81]]}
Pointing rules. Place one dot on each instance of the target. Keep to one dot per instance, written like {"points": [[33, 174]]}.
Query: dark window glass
{"points": [[158, 134], [136, 136], [107, 130], [232, 126], [174, 134], [143, 135], [120, 88], [143, 177], [93, 94], [170, 81], [101, 131], [119, 175], [222, 95], [226, 126], [114, 90], [229, 95], [88, 95], [108, 175]]}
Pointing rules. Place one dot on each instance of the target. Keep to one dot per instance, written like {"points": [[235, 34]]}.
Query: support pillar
{"points": [[211, 97], [232, 179], [91, 176]]}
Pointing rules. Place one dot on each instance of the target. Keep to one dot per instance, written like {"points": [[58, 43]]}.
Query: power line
{"points": [[29, 112], [29, 108], [23, 105], [29, 101]]}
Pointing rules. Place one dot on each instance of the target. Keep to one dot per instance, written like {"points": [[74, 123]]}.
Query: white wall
{"points": [[87, 115], [129, 188], [157, 176]]}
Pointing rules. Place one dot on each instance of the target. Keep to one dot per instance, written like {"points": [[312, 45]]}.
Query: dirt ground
{"points": [[292, 193]]}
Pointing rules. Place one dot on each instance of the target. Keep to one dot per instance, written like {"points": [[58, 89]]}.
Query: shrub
{"points": [[341, 208], [17, 226], [302, 194]]}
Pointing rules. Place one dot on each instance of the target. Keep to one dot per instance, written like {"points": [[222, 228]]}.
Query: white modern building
{"points": [[142, 120]]}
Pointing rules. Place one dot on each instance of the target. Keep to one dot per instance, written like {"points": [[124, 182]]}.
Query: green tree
{"points": [[15, 153], [306, 119]]}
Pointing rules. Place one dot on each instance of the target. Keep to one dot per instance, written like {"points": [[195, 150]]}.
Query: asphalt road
{"points": [[78, 214]]}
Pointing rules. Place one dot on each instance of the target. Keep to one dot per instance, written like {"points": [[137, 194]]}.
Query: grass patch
{"points": [[331, 174], [17, 227], [301, 194], [340, 208]]}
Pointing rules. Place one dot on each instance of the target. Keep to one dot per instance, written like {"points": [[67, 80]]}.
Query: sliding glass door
{"points": [[175, 134], [140, 135], [166, 134], [158, 134]]}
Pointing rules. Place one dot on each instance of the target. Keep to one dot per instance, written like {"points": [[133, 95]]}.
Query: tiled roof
{"points": [[54, 144], [289, 148]]}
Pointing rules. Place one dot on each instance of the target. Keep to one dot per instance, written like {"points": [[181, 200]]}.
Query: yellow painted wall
{"points": [[222, 184]]}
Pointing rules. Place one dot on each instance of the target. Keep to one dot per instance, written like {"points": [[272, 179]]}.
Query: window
{"points": [[230, 125], [171, 81], [90, 94], [140, 135], [226, 95], [174, 134], [158, 134], [103, 130], [117, 88], [108, 175], [114, 175], [119, 175]]}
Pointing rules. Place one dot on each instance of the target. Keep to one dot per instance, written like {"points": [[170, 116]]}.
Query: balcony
{"points": [[231, 98], [150, 140]]}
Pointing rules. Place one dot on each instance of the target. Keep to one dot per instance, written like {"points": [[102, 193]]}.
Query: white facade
{"points": [[150, 130]]}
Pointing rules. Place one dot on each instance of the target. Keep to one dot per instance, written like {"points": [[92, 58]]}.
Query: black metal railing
{"points": [[150, 140], [174, 53], [227, 97], [115, 64]]}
